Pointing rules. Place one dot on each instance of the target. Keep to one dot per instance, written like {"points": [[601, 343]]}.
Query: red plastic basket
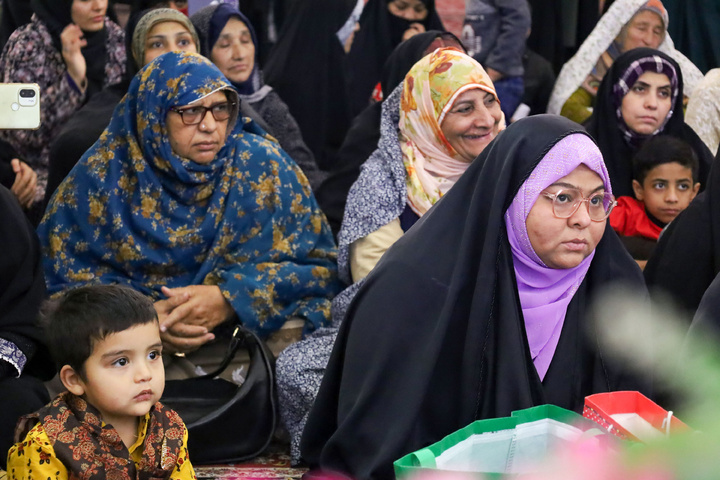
{"points": [[600, 408]]}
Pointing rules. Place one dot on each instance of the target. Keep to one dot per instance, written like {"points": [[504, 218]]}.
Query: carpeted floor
{"points": [[273, 465]]}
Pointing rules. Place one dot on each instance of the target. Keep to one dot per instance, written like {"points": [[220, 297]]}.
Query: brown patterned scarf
{"points": [[93, 452]]}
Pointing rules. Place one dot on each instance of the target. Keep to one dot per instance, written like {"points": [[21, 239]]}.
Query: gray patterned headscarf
{"points": [[379, 195]]}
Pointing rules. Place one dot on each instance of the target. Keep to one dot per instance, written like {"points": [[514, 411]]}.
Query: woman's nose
{"points": [[483, 118], [237, 51], [651, 101], [406, 14], [208, 123], [581, 217]]}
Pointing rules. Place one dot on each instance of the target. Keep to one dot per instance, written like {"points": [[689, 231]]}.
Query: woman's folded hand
{"points": [[190, 314]]}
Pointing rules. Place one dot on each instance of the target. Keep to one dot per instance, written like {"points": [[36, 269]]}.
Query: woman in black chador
{"points": [[481, 308]]}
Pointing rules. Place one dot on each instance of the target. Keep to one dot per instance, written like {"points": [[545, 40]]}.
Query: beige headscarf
{"points": [[148, 21]]}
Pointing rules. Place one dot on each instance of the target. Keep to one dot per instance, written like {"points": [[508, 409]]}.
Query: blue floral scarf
{"points": [[133, 212]]}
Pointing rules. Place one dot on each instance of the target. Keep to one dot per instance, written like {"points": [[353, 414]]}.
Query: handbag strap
{"points": [[239, 338]]}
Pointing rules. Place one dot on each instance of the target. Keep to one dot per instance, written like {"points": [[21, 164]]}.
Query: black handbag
{"points": [[227, 422]]}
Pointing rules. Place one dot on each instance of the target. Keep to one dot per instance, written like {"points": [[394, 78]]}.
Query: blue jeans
{"points": [[510, 91]]}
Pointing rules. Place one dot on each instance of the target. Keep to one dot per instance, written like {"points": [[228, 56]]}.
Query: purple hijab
{"points": [[546, 292]]}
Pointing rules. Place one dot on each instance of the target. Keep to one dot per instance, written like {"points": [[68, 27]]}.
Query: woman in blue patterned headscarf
{"points": [[194, 207]]}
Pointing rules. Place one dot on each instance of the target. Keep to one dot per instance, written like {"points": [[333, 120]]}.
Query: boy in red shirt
{"points": [[664, 182]]}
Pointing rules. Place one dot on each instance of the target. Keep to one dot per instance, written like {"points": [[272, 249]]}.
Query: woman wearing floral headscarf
{"points": [[193, 206], [447, 113], [171, 30]]}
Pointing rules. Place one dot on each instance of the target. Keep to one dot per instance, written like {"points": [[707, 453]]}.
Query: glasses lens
{"points": [[221, 111], [192, 115], [565, 201], [600, 205]]}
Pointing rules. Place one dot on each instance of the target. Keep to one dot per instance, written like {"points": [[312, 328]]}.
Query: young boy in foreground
{"points": [[665, 182], [105, 340]]}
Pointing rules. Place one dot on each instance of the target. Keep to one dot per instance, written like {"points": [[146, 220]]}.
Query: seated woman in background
{"points": [[193, 206], [308, 69], [480, 309], [71, 50], [448, 113], [626, 25], [362, 138], [384, 24], [228, 39], [433, 126], [639, 98]]}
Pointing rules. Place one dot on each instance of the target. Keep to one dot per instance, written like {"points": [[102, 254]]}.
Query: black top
{"points": [[617, 152], [362, 138], [380, 32], [308, 69], [539, 79], [15, 14], [22, 287], [435, 337], [707, 316]]}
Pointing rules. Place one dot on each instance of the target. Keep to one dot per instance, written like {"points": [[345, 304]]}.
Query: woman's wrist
{"points": [[80, 83]]}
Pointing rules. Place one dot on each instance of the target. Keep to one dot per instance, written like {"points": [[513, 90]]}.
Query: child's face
{"points": [[667, 190], [124, 376]]}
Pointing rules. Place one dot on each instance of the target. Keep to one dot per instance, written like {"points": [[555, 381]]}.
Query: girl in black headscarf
{"points": [[620, 132], [71, 50], [446, 329], [308, 69], [383, 25], [362, 138]]}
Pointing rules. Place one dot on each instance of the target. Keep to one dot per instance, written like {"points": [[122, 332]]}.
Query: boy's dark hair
{"points": [[663, 149], [77, 318]]}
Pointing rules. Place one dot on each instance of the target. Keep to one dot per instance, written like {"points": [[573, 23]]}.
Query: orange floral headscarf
{"points": [[429, 92]]}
